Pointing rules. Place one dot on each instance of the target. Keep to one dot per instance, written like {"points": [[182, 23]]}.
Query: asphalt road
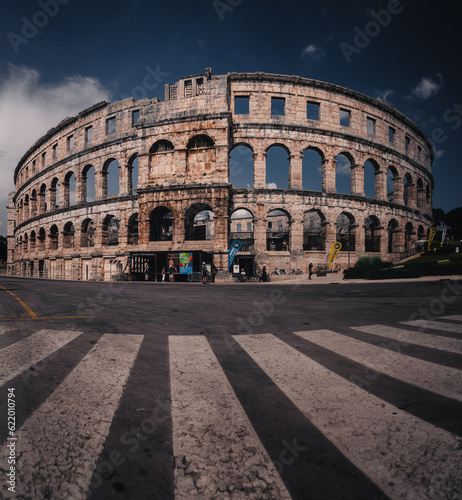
{"points": [[163, 390]]}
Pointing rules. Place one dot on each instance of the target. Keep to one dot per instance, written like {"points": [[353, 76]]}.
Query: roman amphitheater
{"points": [[286, 165]]}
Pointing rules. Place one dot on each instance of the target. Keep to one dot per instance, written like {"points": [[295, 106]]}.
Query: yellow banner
{"points": [[334, 250], [432, 235]]}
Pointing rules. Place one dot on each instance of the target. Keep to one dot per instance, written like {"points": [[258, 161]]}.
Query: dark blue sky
{"points": [[89, 50]]}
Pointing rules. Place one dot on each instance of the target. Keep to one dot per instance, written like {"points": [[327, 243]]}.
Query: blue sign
{"points": [[233, 249]]}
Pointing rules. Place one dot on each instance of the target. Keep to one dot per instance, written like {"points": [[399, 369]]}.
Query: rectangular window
{"points": [[88, 134], [278, 106], [407, 143], [70, 143], [241, 105], [270, 225], [200, 87], [370, 126], [44, 159], [312, 110], [391, 135], [249, 226], [111, 125], [280, 225], [188, 92], [33, 167], [135, 117], [55, 151], [345, 116], [239, 228], [419, 152]]}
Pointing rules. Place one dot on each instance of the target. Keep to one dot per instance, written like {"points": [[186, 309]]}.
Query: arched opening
{"points": [[421, 234], [69, 189], [32, 241], [371, 229], [241, 167], [428, 196], [161, 159], [278, 231], [277, 167], [89, 182], [312, 169], [408, 190], [133, 235], [53, 238], [420, 194], [392, 184], [110, 178], [199, 222], [393, 230], [408, 237], [241, 228], [110, 234], [346, 232], [41, 240], [43, 199], [343, 174], [26, 244], [161, 224], [26, 207], [133, 175], [201, 155], [33, 203], [88, 234], [54, 194], [371, 170], [314, 231], [68, 235]]}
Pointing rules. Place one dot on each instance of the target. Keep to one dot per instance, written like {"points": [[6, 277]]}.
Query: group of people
{"points": [[170, 272]]}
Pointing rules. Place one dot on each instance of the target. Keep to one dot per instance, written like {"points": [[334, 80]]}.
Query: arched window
{"points": [[346, 232], [43, 199], [33, 203], [53, 238], [161, 159], [110, 178], [343, 174], [89, 182], [241, 167], [110, 230], [54, 194], [133, 235], [278, 231], [393, 230], [133, 174], [26, 207], [69, 189], [26, 244], [88, 234], [371, 169], [392, 184], [314, 231], [199, 222], [312, 169], [32, 241], [420, 194], [277, 167], [408, 190], [161, 224], [68, 235], [408, 236], [241, 228], [41, 240], [371, 227]]}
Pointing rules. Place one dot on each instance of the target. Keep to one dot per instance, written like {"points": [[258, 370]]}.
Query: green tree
{"points": [[454, 221]]}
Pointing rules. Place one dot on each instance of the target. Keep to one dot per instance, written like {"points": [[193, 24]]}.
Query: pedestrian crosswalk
{"points": [[217, 449]]}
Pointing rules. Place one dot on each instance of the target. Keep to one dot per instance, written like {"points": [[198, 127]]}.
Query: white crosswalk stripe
{"points": [[18, 357], [424, 374], [390, 451], [58, 446], [4, 329], [411, 337], [210, 427], [455, 317], [434, 325]]}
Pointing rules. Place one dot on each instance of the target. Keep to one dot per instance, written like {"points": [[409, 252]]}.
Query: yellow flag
{"points": [[334, 250], [432, 235]]}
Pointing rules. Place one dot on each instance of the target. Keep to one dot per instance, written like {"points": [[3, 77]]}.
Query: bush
{"points": [[363, 268]]}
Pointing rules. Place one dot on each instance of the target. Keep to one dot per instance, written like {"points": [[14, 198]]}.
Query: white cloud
{"points": [[428, 87], [29, 108], [271, 185], [313, 51], [384, 95], [438, 153]]}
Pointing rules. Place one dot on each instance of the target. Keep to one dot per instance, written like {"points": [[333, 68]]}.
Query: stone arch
{"points": [[201, 155], [41, 240], [53, 241], [133, 174], [32, 241], [241, 227], [161, 158], [161, 224], [312, 160], [88, 183], [110, 178], [43, 199], [428, 196], [26, 243], [54, 194], [392, 184], [69, 186], [199, 222], [133, 230], [241, 166], [110, 230], [346, 231], [409, 195], [277, 166], [409, 236], [343, 165], [314, 230], [278, 230], [372, 231], [33, 203], [420, 194], [393, 236], [26, 207], [68, 235], [421, 233], [87, 236], [371, 178]]}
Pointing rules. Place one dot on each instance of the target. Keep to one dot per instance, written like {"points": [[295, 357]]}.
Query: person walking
{"points": [[204, 273], [264, 275], [163, 274], [171, 270], [310, 270]]}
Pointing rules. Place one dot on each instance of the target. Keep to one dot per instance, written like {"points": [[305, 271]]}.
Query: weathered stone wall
{"points": [[181, 149]]}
